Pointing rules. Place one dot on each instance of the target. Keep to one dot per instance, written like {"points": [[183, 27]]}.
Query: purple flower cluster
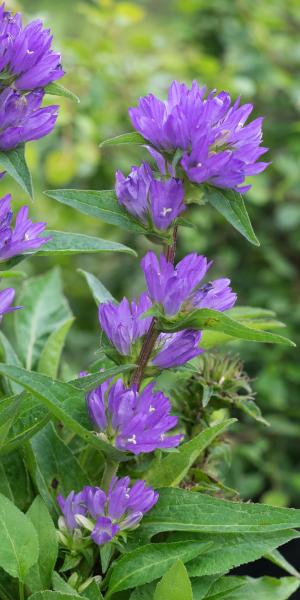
{"points": [[177, 288], [27, 65], [6, 300], [25, 234], [26, 57], [152, 201], [133, 421], [217, 145], [107, 515]]}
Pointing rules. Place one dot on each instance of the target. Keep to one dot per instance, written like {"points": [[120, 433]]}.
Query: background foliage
{"points": [[115, 51]]}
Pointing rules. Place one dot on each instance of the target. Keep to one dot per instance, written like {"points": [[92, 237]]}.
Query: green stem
{"points": [[21, 590], [110, 470]]}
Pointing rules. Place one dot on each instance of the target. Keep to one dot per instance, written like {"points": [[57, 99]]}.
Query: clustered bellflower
{"points": [[177, 288], [133, 421], [25, 234], [26, 57], [218, 146], [125, 326], [150, 199], [104, 516], [6, 300]]}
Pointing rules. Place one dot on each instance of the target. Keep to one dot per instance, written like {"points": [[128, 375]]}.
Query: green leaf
{"points": [[56, 89], [206, 318], [64, 401], [101, 204], [202, 585], [231, 205], [39, 576], [15, 482], [276, 557], [147, 563], [175, 584], [47, 595], [46, 309], [60, 585], [92, 592], [64, 243], [13, 161], [99, 291], [264, 588], [89, 382], [172, 469], [12, 274], [125, 138], [11, 358], [51, 353], [31, 417], [198, 512], [9, 408], [19, 547]]}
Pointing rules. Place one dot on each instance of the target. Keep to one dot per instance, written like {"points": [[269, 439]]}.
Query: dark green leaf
{"points": [[89, 382], [39, 576], [125, 138], [9, 408], [47, 595], [31, 417], [15, 482], [264, 588], [102, 205], [56, 89], [231, 205], [64, 243], [13, 161]]}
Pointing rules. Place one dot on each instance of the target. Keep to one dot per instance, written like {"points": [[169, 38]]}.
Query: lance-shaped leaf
{"points": [[39, 576], [206, 318], [99, 291], [101, 204], [198, 512], [125, 138], [57, 89], [89, 382], [9, 408], [13, 161], [30, 418], [231, 205], [247, 588], [175, 584], [65, 402], [149, 563], [48, 595], [19, 547], [64, 243], [173, 468], [51, 353]]}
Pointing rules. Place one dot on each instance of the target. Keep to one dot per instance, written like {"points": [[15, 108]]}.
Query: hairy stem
{"points": [[153, 333], [110, 470]]}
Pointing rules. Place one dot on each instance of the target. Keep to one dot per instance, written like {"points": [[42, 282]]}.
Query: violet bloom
{"points": [[218, 146], [176, 349], [177, 288], [107, 515], [149, 199], [133, 421], [26, 58], [122, 323], [22, 119], [25, 234], [6, 300]]}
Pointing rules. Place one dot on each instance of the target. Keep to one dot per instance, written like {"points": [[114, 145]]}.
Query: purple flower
{"points": [[176, 349], [218, 146], [22, 119], [108, 514], [122, 323], [149, 199], [133, 421], [176, 288], [6, 299], [23, 237], [26, 58]]}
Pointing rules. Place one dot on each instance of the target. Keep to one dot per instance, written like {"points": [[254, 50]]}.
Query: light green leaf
{"points": [[11, 358], [198, 512], [202, 585], [64, 401], [225, 586], [39, 576], [92, 592], [60, 585], [175, 584], [125, 138], [102, 205], [172, 469], [147, 563], [13, 161], [19, 546], [206, 318], [56, 89], [231, 205], [46, 309], [12, 274], [99, 291], [278, 559], [264, 588], [64, 243], [51, 353]]}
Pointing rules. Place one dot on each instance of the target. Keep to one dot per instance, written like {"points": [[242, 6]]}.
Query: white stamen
{"points": [[162, 437], [132, 439], [165, 211], [199, 164], [151, 409]]}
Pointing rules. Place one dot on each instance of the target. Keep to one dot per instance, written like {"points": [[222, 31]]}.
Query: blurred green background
{"points": [[114, 52]]}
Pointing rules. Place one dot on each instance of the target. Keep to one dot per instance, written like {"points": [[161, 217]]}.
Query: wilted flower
{"points": [[106, 515], [25, 234], [149, 199], [26, 58], [217, 146], [133, 421], [22, 119], [177, 287], [6, 299]]}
